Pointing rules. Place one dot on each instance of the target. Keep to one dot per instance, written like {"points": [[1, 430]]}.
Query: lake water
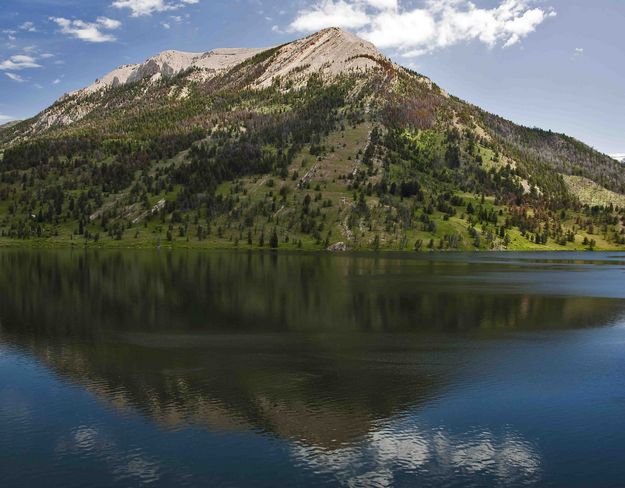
{"points": [[123, 369]]}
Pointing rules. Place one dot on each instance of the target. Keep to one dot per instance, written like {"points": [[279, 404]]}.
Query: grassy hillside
{"points": [[379, 159]]}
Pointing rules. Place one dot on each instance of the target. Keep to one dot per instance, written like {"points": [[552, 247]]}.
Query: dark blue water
{"points": [[236, 369]]}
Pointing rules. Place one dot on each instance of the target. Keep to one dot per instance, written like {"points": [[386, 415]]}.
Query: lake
{"points": [[233, 369]]}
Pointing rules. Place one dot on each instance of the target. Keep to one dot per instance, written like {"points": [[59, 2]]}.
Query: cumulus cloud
{"points": [[19, 62], [331, 13], [433, 24], [148, 7], [88, 31]]}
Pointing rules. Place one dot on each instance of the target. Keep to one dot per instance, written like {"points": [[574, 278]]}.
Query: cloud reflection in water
{"points": [[395, 452], [125, 465]]}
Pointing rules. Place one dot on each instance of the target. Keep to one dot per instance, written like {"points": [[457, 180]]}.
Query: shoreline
{"points": [[47, 244]]}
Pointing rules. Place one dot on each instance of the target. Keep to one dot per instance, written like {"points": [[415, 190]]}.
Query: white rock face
{"points": [[8, 125], [75, 106], [329, 52], [171, 63]]}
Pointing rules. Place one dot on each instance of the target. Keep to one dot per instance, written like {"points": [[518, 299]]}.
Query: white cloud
{"points": [[88, 31], [15, 77], [107, 23], [19, 62], [28, 27], [618, 157], [5, 118], [383, 4], [148, 7], [578, 52], [330, 13], [57, 81], [434, 24]]}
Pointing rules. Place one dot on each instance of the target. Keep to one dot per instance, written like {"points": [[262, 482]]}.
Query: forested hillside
{"points": [[320, 143]]}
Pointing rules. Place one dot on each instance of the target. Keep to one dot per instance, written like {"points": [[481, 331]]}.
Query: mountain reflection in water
{"points": [[337, 357]]}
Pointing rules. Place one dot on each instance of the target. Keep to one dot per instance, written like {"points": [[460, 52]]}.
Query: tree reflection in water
{"points": [[335, 354]]}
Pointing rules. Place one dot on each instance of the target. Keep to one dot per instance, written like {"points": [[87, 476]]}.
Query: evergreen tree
{"points": [[273, 240]]}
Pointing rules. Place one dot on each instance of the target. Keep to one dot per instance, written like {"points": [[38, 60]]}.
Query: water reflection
{"points": [[397, 453], [337, 356], [93, 294], [303, 388], [127, 466]]}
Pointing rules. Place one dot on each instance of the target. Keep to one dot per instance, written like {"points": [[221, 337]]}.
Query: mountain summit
{"points": [[171, 63], [321, 142], [329, 51]]}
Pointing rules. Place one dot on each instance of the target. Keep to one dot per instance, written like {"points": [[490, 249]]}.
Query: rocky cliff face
{"points": [[171, 63], [8, 125], [329, 53]]}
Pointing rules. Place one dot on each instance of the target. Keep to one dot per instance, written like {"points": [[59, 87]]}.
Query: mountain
{"points": [[8, 125], [330, 52], [321, 142]]}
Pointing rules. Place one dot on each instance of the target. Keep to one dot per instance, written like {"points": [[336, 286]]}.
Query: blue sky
{"points": [[555, 64]]}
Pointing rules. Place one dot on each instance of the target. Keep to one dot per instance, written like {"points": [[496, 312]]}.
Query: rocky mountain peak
{"points": [[170, 63], [332, 51]]}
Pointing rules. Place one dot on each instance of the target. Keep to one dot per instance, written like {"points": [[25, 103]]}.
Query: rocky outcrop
{"points": [[329, 53], [8, 125], [338, 247], [171, 63]]}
